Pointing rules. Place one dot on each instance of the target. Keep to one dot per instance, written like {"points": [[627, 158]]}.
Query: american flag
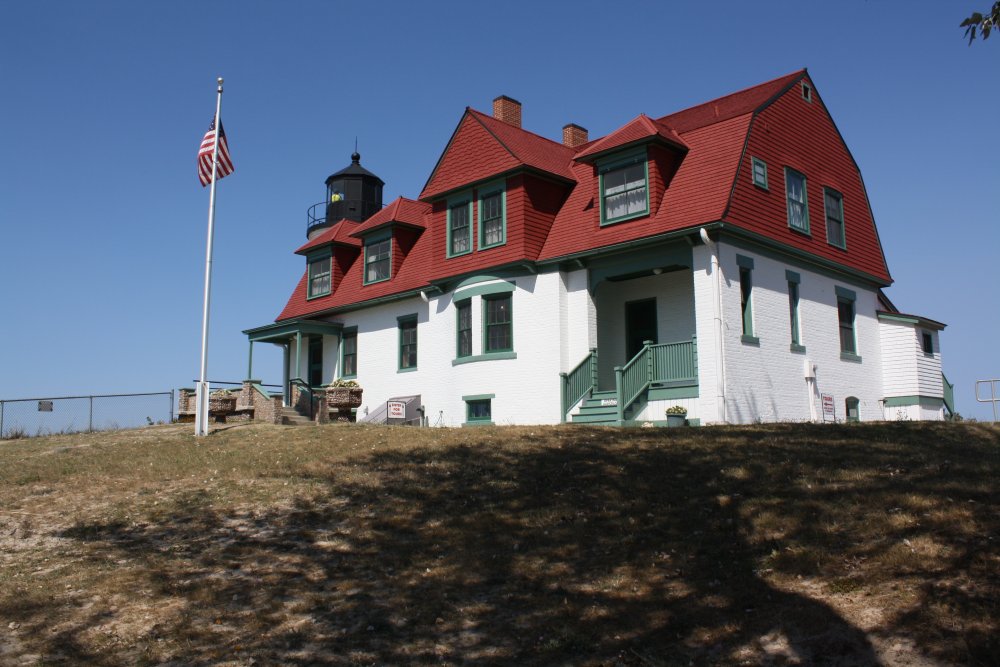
{"points": [[205, 155]]}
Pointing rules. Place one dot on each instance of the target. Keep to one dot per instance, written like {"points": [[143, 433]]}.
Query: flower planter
{"points": [[343, 397], [221, 404], [676, 420]]}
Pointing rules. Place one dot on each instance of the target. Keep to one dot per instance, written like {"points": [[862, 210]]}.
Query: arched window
{"points": [[851, 409]]}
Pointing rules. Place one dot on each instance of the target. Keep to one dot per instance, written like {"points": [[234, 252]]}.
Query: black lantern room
{"points": [[353, 193]]}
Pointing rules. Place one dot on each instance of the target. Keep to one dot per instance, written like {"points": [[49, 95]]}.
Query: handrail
{"points": [[579, 382], [948, 393], [314, 219], [655, 363]]}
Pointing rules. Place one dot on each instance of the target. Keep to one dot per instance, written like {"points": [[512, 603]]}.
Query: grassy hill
{"points": [[785, 544]]}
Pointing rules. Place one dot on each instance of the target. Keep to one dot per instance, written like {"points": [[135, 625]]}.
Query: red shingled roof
{"points": [[400, 211], [735, 104], [637, 130], [483, 147], [339, 233], [699, 191]]}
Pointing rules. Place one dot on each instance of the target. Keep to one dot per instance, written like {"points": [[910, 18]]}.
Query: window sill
{"points": [[375, 282], [750, 340], [493, 245], [317, 296], [804, 232], [349, 377], [795, 347], [850, 356], [634, 216], [449, 255], [838, 247], [478, 423], [488, 356], [406, 370]]}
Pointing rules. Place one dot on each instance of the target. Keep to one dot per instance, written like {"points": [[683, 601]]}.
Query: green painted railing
{"points": [[949, 394], [655, 364], [579, 382]]}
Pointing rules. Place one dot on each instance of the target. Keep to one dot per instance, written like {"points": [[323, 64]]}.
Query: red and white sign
{"points": [[829, 410], [396, 409]]}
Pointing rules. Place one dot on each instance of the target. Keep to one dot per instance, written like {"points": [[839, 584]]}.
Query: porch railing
{"points": [[666, 363], [579, 382]]}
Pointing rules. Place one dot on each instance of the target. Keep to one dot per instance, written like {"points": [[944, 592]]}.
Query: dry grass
{"points": [[846, 545]]}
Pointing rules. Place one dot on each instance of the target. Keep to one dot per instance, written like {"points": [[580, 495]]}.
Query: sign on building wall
{"points": [[829, 409], [396, 410]]}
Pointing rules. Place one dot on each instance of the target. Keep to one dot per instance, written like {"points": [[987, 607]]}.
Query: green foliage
{"points": [[983, 22]]}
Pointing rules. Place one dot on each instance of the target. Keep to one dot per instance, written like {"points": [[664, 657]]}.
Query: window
{"points": [[319, 277], [759, 173], [349, 354], [624, 190], [479, 409], [793, 310], [806, 92], [798, 205], [845, 313], [492, 227], [459, 229], [408, 343], [834, 203], [851, 409], [927, 343], [464, 327], [378, 260], [498, 325], [746, 297]]}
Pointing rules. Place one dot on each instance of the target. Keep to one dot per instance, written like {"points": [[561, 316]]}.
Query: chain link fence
{"points": [[28, 417]]}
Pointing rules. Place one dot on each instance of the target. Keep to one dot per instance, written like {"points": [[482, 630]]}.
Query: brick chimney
{"points": [[508, 110], [574, 135]]}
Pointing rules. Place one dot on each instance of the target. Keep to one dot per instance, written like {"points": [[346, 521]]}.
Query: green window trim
{"points": [[500, 287], [498, 323], [493, 203], [455, 204], [746, 304], [793, 312], [374, 262], [798, 206], [834, 218], [758, 172], [488, 356], [625, 165], [407, 357], [318, 272], [349, 351], [479, 409], [744, 262], [847, 323], [463, 329]]}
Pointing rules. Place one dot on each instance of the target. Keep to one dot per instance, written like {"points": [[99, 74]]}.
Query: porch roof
{"points": [[289, 328]]}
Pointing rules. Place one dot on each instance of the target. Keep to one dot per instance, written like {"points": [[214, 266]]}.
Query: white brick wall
{"points": [[767, 382]]}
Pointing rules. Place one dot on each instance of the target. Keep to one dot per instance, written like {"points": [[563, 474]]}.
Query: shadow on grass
{"points": [[584, 546]]}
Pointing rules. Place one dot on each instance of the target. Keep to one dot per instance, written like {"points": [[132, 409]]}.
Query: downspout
{"points": [[720, 360]]}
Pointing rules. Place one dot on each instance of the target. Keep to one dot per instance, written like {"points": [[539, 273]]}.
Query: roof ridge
{"points": [[515, 127], [716, 100]]}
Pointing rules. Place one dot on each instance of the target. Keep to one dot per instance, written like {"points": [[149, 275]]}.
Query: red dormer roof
{"points": [[483, 147], [401, 211], [641, 129], [339, 234]]}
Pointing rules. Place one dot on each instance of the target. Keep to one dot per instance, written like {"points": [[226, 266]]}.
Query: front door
{"points": [[315, 361], [640, 325]]}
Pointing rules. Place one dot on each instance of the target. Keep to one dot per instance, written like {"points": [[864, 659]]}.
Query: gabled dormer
{"points": [[387, 238], [632, 168], [329, 256]]}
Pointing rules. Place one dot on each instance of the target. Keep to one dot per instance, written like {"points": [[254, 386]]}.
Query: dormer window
{"points": [[624, 189], [378, 259], [319, 276], [459, 227], [492, 215]]}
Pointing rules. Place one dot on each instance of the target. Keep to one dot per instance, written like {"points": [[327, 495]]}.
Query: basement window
{"points": [[479, 409]]}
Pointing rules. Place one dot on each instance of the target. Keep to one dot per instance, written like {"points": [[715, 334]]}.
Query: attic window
{"points": [[624, 190], [319, 277], [806, 92], [378, 260]]}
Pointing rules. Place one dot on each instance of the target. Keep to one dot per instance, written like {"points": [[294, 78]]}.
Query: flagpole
{"points": [[201, 393]]}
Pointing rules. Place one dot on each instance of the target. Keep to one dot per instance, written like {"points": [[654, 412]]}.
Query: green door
{"points": [[640, 325], [315, 361]]}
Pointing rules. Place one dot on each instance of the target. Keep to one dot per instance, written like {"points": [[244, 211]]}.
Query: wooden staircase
{"points": [[600, 409]]}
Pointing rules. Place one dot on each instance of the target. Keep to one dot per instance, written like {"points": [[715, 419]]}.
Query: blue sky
{"points": [[102, 219]]}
